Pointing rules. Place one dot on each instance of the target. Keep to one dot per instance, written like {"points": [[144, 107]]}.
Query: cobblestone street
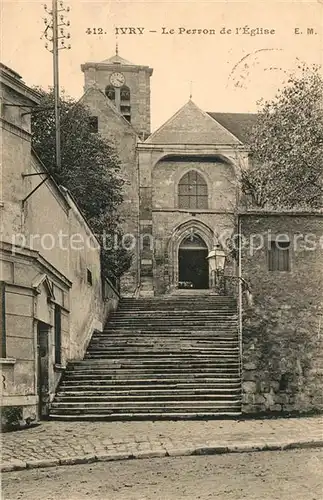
{"points": [[279, 475], [62, 443]]}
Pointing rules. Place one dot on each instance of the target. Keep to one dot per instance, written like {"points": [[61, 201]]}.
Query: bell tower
{"points": [[127, 85]]}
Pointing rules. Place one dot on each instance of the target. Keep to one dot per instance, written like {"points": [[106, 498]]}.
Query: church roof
{"points": [[237, 123], [116, 59], [191, 125]]}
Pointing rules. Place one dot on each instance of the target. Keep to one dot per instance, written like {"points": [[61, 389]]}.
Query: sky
{"points": [[224, 72]]}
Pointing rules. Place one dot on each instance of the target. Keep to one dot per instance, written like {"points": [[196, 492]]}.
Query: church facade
{"points": [[181, 191]]}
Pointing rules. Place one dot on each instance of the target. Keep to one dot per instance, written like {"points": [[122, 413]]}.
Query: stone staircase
{"points": [[172, 357]]}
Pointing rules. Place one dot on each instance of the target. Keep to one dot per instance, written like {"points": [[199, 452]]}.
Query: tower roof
{"points": [[116, 59]]}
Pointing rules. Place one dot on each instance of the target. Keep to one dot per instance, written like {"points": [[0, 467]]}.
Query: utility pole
{"points": [[54, 32], [56, 86]]}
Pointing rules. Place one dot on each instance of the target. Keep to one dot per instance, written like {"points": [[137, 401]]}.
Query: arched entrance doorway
{"points": [[193, 268]]}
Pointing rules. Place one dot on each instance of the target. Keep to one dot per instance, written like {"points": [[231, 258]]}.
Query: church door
{"points": [[192, 263]]}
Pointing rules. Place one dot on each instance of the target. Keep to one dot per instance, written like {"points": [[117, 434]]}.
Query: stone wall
{"points": [[283, 329], [121, 135]]}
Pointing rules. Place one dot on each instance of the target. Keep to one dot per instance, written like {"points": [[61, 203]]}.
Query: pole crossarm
{"points": [[56, 36], [35, 173]]}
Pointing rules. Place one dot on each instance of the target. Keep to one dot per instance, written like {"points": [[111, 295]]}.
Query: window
{"points": [[3, 319], [192, 191], [89, 277], [278, 255], [125, 93], [58, 334], [125, 107], [93, 124], [110, 92]]}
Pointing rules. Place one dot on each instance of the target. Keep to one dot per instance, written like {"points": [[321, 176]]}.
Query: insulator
{"points": [[69, 46], [68, 9], [68, 23], [68, 35], [45, 7]]}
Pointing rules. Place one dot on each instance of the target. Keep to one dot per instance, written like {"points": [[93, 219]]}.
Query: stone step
{"points": [[177, 334], [175, 320], [180, 303], [119, 376], [181, 355], [116, 346], [177, 299], [130, 340], [184, 323], [151, 384], [148, 329], [161, 348], [205, 331], [144, 415], [164, 349], [183, 330], [166, 366], [169, 343], [152, 372], [132, 360], [189, 404], [150, 391], [126, 313], [176, 311], [157, 358], [153, 398], [179, 306]]}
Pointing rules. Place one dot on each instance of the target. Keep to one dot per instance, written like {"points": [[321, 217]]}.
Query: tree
{"points": [[286, 147], [90, 171]]}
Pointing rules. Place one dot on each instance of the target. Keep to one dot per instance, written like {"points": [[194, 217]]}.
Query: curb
{"points": [[212, 449]]}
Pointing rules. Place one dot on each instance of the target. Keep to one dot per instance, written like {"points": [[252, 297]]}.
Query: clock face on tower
{"points": [[117, 79]]}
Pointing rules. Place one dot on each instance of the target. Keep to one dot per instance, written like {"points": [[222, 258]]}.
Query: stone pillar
{"points": [[146, 247]]}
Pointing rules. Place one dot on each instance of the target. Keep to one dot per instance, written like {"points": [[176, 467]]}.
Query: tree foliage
{"points": [[90, 170], [286, 147]]}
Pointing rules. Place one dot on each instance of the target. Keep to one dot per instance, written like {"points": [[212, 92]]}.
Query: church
{"points": [[181, 187], [249, 350]]}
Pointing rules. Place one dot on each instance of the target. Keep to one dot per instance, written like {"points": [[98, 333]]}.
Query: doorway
{"points": [[43, 369], [192, 263]]}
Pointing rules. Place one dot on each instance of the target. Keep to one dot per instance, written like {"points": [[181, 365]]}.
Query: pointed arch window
{"points": [[192, 191], [125, 106], [110, 92], [125, 93]]}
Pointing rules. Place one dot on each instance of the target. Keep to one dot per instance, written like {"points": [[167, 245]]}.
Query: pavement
{"points": [[56, 443]]}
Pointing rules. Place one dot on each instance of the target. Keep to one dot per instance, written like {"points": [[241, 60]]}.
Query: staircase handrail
{"points": [[244, 287]]}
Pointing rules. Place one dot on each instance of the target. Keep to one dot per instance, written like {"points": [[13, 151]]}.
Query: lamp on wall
{"points": [[216, 259]]}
